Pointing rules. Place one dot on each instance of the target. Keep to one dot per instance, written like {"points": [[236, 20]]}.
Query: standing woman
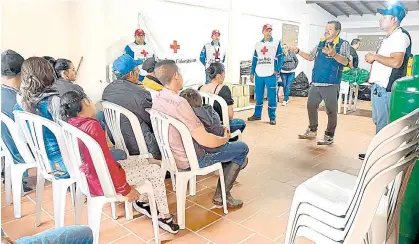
{"points": [[288, 72], [38, 97], [216, 74]]}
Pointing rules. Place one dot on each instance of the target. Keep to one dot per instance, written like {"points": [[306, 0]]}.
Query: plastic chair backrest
{"points": [[210, 98], [374, 163], [73, 136], [161, 124], [33, 127], [371, 199], [113, 114], [18, 139]]}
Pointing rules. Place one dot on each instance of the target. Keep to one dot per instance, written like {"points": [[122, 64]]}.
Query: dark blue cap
{"points": [[395, 9]]}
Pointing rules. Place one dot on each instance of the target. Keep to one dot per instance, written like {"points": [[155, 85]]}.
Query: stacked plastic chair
{"points": [[327, 207]]}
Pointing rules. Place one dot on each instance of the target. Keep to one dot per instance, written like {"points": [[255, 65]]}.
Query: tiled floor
{"points": [[278, 163]]}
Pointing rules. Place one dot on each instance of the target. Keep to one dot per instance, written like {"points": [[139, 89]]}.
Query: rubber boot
{"points": [[231, 171]]}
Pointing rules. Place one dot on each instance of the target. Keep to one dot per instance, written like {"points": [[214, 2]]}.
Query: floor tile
{"points": [[46, 196], [26, 226], [128, 240], [258, 239], [120, 213], [142, 227], [225, 231], [49, 206], [110, 230], [267, 225], [198, 217], [184, 236], [7, 213]]}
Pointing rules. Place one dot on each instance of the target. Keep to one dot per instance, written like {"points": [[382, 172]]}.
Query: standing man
{"points": [[139, 50], [389, 63], [353, 62], [212, 52], [329, 56], [266, 64]]}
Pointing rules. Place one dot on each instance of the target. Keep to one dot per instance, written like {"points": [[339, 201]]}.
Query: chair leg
{"points": [[17, 190], [79, 202], [223, 190], [148, 188], [8, 182], [173, 177], [192, 186], [40, 184], [113, 209], [94, 213], [128, 210], [340, 103], [181, 200], [59, 192], [345, 104]]}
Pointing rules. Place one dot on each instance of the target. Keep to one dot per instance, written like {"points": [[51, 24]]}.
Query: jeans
{"points": [[237, 124], [235, 152], [271, 86], [380, 100], [329, 94], [118, 154], [287, 79], [77, 234]]}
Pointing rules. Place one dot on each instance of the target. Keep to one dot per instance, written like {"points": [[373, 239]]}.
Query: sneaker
{"points": [[169, 225], [253, 118], [27, 189], [326, 140], [272, 122], [231, 202], [308, 134], [284, 103], [142, 207], [168, 175], [361, 156]]}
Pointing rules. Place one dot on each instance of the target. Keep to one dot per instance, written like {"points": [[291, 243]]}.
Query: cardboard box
{"points": [[236, 102], [246, 90], [246, 101], [241, 101], [237, 91]]}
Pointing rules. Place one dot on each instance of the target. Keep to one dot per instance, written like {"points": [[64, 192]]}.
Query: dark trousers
{"points": [[328, 94]]}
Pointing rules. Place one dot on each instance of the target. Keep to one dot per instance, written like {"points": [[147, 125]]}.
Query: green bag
{"points": [[356, 75]]}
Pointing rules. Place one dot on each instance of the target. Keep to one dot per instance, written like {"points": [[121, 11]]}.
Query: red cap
{"points": [[139, 32], [267, 26], [215, 32]]}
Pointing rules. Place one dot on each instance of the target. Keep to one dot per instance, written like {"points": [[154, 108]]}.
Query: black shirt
{"points": [[355, 57]]}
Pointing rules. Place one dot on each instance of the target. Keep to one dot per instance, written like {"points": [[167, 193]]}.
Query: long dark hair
{"points": [[71, 104], [61, 65], [37, 77], [214, 69]]}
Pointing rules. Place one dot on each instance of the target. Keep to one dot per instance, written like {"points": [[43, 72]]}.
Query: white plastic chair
{"points": [[209, 99], [365, 213], [344, 90], [73, 137], [14, 172], [33, 127], [153, 93], [335, 227], [161, 124], [113, 114]]}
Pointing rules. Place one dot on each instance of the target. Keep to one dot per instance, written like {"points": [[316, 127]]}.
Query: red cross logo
{"points": [[144, 52], [175, 46], [216, 54], [264, 50]]}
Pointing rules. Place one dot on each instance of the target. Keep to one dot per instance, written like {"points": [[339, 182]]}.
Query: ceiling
{"points": [[346, 8]]}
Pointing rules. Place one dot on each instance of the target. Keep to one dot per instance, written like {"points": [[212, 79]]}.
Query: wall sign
{"points": [[370, 43], [290, 34]]}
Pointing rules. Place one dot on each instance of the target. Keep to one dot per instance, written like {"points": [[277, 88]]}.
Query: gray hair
{"points": [[337, 24], [165, 70]]}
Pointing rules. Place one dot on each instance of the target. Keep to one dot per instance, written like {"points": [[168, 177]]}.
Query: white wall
{"points": [[32, 29]]}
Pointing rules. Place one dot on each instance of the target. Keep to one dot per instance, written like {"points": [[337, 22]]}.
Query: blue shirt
{"points": [[8, 101]]}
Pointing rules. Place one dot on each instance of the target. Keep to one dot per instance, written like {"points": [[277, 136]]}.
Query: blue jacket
{"points": [[327, 69], [279, 59]]}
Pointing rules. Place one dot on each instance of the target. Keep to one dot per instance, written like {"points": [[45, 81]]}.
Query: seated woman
{"points": [[80, 112], [216, 73], [38, 97], [66, 74]]}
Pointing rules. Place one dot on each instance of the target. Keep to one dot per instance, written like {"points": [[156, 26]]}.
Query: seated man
{"points": [[11, 64], [150, 81], [126, 92], [233, 155]]}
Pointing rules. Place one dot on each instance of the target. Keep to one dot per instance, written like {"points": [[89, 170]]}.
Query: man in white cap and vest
{"points": [[139, 50], [266, 64], [213, 52]]}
